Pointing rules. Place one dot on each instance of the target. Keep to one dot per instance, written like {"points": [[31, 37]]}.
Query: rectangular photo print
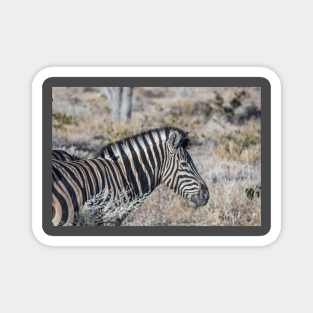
{"points": [[165, 160]]}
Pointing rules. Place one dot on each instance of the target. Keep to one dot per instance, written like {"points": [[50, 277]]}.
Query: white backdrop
{"points": [[271, 33]]}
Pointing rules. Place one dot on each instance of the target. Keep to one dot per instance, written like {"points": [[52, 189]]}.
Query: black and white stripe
{"points": [[135, 166]]}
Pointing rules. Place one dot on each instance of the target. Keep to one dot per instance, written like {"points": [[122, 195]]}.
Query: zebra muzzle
{"points": [[202, 198]]}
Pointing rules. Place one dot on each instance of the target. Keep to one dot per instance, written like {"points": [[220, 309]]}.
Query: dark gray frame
{"points": [[157, 82]]}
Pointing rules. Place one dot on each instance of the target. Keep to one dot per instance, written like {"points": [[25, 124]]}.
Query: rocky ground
{"points": [[223, 124]]}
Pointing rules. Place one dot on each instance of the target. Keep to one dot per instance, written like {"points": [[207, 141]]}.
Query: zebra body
{"points": [[74, 183], [130, 170]]}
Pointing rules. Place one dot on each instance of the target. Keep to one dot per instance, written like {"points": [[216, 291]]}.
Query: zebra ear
{"points": [[174, 140]]}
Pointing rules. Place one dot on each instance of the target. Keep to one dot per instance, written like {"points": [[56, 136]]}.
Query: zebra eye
{"points": [[183, 164]]}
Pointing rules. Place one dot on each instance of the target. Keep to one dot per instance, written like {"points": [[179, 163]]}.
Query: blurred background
{"points": [[224, 126]]}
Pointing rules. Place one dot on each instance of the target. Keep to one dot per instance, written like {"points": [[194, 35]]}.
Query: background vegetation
{"points": [[225, 130]]}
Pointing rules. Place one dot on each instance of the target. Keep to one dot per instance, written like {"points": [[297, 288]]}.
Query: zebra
{"points": [[137, 164], [62, 155]]}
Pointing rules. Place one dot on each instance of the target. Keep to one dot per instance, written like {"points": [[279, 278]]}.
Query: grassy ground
{"points": [[224, 126]]}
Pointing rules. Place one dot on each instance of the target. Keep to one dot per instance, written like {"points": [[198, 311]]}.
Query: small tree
{"points": [[121, 101]]}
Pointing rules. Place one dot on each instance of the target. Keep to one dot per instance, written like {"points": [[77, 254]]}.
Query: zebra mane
{"points": [[167, 130]]}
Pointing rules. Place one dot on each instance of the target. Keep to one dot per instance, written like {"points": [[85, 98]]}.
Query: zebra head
{"points": [[180, 174]]}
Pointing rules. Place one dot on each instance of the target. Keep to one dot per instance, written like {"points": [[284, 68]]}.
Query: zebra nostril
{"points": [[204, 188]]}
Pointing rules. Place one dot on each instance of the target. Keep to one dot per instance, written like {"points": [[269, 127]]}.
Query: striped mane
{"points": [[162, 130]]}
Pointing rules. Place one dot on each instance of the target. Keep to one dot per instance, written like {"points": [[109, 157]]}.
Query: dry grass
{"points": [[243, 144], [225, 130]]}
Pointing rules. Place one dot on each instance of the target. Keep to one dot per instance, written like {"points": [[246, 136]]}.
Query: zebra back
{"points": [[62, 155]]}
